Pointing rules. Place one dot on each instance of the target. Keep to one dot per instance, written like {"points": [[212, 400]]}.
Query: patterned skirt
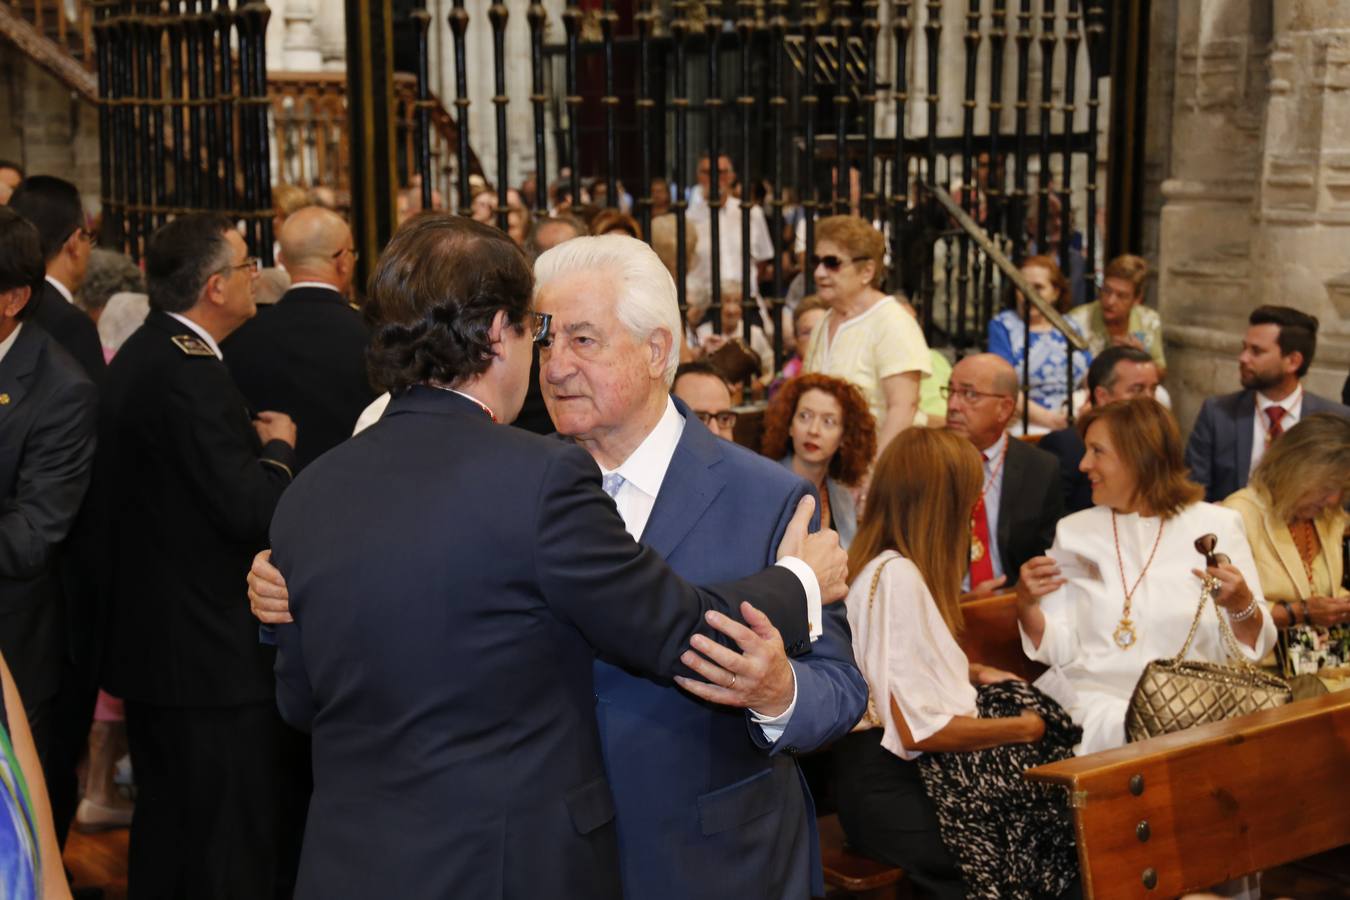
{"points": [[1012, 838]]}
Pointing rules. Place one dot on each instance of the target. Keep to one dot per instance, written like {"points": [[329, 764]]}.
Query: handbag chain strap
{"points": [[876, 580], [1229, 640]]}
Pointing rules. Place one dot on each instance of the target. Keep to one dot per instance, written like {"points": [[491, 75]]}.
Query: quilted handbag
{"points": [[1177, 693]]}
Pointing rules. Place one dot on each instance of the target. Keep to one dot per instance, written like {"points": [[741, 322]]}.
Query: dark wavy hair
{"points": [[433, 296], [859, 443], [21, 262]]}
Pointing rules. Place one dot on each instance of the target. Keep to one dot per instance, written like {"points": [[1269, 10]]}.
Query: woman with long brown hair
{"points": [[919, 783]]}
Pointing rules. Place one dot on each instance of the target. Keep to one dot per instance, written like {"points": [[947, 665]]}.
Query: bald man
{"points": [[1021, 500], [305, 354]]}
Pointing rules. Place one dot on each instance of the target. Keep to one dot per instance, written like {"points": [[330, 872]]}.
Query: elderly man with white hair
{"points": [[709, 799]]}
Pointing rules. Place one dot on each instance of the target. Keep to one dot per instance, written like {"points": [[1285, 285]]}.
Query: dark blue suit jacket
{"points": [[705, 807], [1219, 452], [48, 421], [451, 581]]}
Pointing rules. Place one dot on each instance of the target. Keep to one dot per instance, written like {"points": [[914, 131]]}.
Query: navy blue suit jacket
{"points": [[451, 581], [48, 420], [706, 808], [1219, 452]]}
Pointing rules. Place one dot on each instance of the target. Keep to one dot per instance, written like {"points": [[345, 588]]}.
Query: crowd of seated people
{"points": [[1093, 527]]}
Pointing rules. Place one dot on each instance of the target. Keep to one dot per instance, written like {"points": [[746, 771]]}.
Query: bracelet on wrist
{"points": [[1245, 614]]}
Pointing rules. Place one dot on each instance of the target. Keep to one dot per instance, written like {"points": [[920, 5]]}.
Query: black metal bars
{"points": [[168, 108]]}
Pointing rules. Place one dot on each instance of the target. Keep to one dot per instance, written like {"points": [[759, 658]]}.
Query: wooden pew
{"points": [[1189, 810], [991, 636]]}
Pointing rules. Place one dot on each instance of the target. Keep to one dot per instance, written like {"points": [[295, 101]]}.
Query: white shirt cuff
{"points": [[812, 588], [773, 727]]}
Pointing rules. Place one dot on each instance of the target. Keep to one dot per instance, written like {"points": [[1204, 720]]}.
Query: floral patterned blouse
{"points": [[1049, 358]]}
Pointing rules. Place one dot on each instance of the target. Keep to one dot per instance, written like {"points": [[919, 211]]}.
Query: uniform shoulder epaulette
{"points": [[192, 346]]}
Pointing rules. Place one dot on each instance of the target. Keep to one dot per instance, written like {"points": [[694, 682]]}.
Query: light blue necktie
{"points": [[611, 483]]}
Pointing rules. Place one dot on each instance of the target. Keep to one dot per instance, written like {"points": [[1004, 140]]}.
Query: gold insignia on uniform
{"points": [[4, 399], [192, 346]]}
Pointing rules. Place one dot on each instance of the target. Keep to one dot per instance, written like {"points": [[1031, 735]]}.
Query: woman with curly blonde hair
{"points": [[821, 429]]}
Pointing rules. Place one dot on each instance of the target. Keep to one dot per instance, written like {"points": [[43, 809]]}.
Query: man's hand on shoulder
{"points": [[267, 595], [759, 678], [820, 551]]}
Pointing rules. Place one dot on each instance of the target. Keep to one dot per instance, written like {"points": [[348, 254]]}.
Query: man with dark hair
{"points": [[191, 485], [708, 395], [1118, 373], [48, 418], [306, 354], [1232, 431], [446, 668], [54, 207]]}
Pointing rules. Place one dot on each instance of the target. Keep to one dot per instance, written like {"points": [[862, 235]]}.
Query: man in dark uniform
{"points": [[306, 354], [48, 415], [53, 206], [194, 483]]}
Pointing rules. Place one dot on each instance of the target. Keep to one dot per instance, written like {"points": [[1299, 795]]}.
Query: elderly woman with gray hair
{"points": [[113, 294]]}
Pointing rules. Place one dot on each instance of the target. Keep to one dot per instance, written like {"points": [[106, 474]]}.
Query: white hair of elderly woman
{"points": [[647, 299], [122, 314]]}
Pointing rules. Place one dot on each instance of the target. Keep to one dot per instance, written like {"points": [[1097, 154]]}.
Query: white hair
{"points": [[647, 299]]}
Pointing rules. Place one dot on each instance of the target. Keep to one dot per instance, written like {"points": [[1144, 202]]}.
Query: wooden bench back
{"points": [[1188, 810], [991, 636]]}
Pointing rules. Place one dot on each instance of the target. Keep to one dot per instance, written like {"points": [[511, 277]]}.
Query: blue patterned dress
{"points": [[20, 872], [1049, 358]]}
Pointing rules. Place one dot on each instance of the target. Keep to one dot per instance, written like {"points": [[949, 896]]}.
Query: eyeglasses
{"points": [[542, 323], [834, 263], [90, 236], [806, 417], [969, 395], [725, 419], [251, 264], [355, 255]]}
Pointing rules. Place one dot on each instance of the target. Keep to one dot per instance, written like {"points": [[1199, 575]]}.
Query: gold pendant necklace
{"points": [[1124, 635]]}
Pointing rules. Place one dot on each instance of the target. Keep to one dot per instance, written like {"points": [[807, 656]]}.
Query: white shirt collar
{"points": [[994, 451], [201, 333], [8, 342], [645, 468], [65, 291], [315, 284], [1289, 403]]}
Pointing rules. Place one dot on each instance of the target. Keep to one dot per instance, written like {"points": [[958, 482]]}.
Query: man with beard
{"points": [[1232, 432]]}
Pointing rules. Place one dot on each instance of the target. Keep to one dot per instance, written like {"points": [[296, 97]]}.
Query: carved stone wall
{"points": [[1257, 208], [46, 128]]}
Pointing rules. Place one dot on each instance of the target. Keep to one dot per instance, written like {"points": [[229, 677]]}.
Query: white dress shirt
{"points": [[315, 284], [642, 472], [9, 341], [64, 291], [201, 333], [729, 240], [1293, 408]]}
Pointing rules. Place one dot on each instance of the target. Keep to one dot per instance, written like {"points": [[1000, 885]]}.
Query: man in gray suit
{"points": [[1232, 431]]}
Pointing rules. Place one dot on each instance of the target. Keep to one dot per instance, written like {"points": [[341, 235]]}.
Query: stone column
{"points": [[332, 32], [1304, 196], [1258, 206], [1206, 229], [302, 41]]}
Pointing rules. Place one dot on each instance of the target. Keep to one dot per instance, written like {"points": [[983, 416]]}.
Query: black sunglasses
{"points": [[835, 263]]}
